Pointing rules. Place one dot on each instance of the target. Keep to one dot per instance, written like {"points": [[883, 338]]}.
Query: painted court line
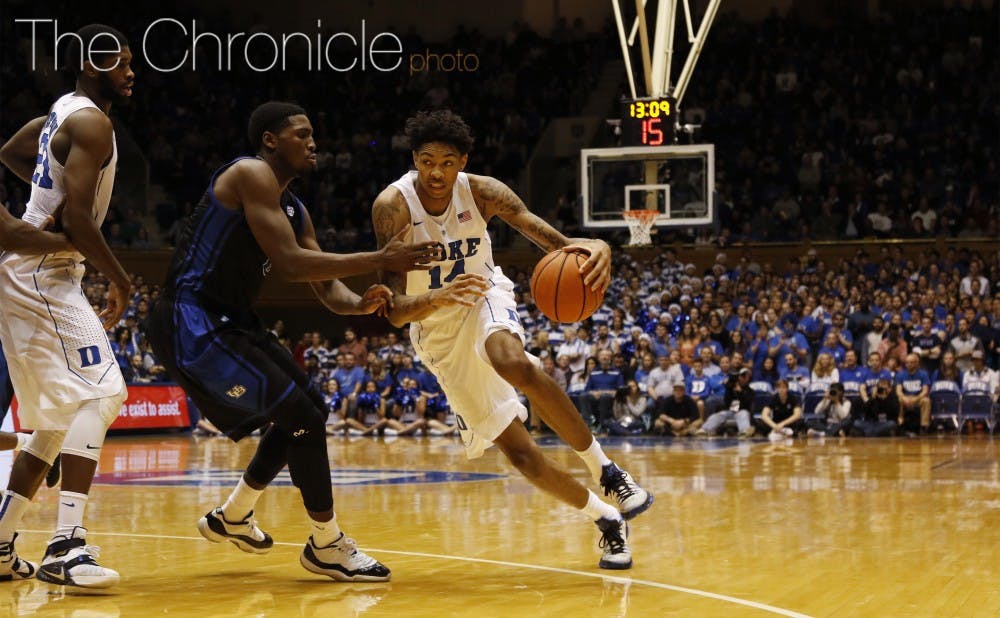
{"points": [[517, 565]]}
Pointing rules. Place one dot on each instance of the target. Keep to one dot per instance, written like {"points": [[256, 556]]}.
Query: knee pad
{"points": [[85, 437], [300, 418], [45, 444]]}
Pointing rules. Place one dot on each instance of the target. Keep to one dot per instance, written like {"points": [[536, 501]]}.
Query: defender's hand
{"points": [[377, 299], [400, 256], [464, 290], [597, 269]]}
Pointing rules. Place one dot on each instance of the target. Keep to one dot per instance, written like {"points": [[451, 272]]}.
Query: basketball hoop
{"points": [[640, 223]]}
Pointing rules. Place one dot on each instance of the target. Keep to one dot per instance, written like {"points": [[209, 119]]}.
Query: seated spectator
{"points": [[369, 414], [981, 378], [927, 344], [833, 414], [948, 371], [352, 345], [963, 344], [707, 356], [678, 414], [336, 406], [766, 371], [872, 374], [893, 346], [794, 373], [408, 417], [824, 372], [578, 383], [699, 386], [782, 414], [137, 371], [351, 379], [832, 347], [736, 407], [877, 416], [644, 367], [627, 411], [599, 392], [851, 374], [155, 371], [913, 390]]}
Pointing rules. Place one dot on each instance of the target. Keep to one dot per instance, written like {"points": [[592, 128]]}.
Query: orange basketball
{"points": [[558, 289]]}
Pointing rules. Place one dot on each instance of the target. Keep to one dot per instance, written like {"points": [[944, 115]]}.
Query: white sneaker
{"points": [[788, 431], [343, 561], [389, 431], [776, 436], [12, 567], [69, 561], [614, 541], [631, 498], [243, 534]]}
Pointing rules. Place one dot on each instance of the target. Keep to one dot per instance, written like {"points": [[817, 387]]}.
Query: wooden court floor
{"points": [[894, 527]]}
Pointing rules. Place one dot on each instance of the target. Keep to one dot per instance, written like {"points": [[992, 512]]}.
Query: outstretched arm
{"points": [[336, 296], [253, 185], [391, 220], [496, 198]]}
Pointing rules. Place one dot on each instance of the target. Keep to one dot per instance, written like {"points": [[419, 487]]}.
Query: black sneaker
{"points": [[614, 541], [631, 498], [343, 561], [243, 534]]}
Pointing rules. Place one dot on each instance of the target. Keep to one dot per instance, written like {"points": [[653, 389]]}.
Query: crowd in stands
{"points": [[871, 345], [844, 129]]}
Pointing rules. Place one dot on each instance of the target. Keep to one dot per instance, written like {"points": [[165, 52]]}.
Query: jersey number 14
{"points": [[435, 273]]}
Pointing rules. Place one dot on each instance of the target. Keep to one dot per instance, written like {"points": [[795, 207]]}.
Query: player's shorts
{"points": [[57, 352], [454, 350], [235, 371]]}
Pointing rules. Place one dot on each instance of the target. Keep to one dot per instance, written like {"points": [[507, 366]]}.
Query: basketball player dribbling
{"points": [[465, 328], [205, 332], [68, 383]]}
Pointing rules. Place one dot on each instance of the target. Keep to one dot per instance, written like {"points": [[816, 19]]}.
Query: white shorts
{"points": [[454, 350], [56, 349]]}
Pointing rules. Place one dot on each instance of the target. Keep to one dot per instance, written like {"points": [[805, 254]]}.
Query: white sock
{"points": [[324, 532], [12, 509], [597, 508], [240, 502], [71, 507], [595, 459]]}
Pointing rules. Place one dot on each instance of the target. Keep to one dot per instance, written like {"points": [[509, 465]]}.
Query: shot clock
{"points": [[648, 122]]}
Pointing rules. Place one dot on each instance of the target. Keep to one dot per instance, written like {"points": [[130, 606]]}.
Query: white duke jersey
{"points": [[464, 244], [47, 185]]}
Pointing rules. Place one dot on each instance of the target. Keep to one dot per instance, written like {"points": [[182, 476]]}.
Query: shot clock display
{"points": [[648, 122]]}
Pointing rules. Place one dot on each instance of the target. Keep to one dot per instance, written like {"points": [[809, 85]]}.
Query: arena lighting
{"points": [[258, 51]]}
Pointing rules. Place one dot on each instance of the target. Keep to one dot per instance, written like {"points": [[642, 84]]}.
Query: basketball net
{"points": [[640, 224]]}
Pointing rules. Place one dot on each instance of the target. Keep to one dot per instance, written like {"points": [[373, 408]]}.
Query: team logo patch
{"points": [[465, 216], [342, 476], [237, 391]]}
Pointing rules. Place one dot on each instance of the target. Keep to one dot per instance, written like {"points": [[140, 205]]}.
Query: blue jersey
{"points": [[912, 383], [852, 378], [871, 378], [698, 386]]}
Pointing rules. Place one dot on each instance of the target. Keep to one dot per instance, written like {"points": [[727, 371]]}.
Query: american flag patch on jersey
{"points": [[465, 216]]}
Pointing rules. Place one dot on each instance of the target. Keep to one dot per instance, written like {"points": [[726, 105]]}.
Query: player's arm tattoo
{"points": [[388, 218], [501, 201]]}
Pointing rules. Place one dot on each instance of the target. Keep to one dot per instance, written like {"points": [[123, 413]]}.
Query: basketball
{"points": [[558, 289]]}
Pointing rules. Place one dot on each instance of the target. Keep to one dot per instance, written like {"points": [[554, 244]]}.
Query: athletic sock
{"points": [[12, 509], [71, 507], [595, 459], [240, 502], [597, 508], [324, 532]]}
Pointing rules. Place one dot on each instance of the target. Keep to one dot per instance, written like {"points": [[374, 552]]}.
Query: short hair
{"points": [[442, 126], [270, 117], [76, 53]]}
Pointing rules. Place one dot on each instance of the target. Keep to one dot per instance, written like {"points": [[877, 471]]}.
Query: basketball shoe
{"points": [[343, 561], [243, 534], [631, 498], [12, 567], [69, 561], [614, 542]]}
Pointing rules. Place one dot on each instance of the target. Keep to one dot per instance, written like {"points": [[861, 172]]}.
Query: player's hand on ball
{"points": [[464, 290], [377, 299], [596, 270], [400, 256]]}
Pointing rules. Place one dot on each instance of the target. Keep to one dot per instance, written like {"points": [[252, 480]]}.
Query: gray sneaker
{"points": [[614, 541], [343, 561]]}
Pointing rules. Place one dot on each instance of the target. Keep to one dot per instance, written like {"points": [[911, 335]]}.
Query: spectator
{"points": [[599, 392], [872, 373], [877, 416], [893, 346], [912, 390], [981, 378], [736, 407], [927, 344], [795, 374], [782, 414], [628, 411], [963, 344], [575, 349], [351, 379], [351, 345], [833, 414], [336, 406], [948, 370], [824, 372], [678, 414]]}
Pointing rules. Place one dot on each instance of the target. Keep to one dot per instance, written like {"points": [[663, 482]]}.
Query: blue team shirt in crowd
{"points": [[852, 378], [698, 386], [871, 378], [604, 380], [912, 383]]}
